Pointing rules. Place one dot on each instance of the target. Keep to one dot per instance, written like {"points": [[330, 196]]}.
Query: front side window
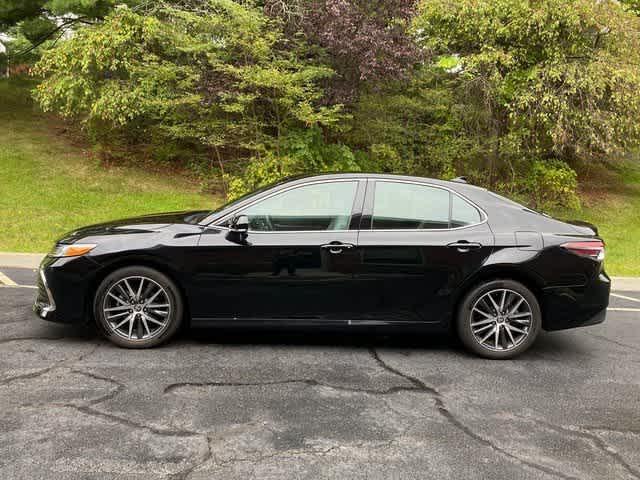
{"points": [[407, 206], [320, 206]]}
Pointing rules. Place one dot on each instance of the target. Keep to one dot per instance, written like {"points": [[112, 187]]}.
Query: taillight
{"points": [[592, 249]]}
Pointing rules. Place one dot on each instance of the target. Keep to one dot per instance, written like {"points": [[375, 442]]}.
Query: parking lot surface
{"points": [[220, 404]]}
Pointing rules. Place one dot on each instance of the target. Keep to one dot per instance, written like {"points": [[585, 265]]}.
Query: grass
{"points": [[611, 201], [49, 186]]}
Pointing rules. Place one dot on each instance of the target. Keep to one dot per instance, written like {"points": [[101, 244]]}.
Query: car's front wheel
{"points": [[499, 319], [138, 307]]}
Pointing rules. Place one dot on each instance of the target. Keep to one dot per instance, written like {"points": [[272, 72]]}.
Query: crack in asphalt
{"points": [[175, 433], [595, 440], [281, 455], [165, 432], [615, 342], [20, 339], [305, 381], [442, 409], [206, 454], [44, 371], [23, 376], [605, 428], [186, 472], [416, 385], [120, 387], [87, 408]]}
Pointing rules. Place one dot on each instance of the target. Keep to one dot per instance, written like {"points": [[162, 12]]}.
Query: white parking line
{"points": [[6, 280], [623, 309], [624, 297]]}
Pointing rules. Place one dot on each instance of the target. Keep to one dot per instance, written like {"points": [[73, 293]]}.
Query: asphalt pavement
{"points": [[222, 404]]}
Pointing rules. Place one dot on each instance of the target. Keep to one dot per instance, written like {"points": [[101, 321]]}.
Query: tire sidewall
{"points": [[463, 323], [175, 316]]}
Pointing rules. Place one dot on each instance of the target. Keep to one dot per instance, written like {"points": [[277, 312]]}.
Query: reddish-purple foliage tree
{"points": [[367, 40]]}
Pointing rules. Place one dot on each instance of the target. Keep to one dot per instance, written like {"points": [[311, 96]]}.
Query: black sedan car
{"points": [[352, 250]]}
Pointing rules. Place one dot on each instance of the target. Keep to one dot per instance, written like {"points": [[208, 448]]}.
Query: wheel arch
{"points": [[142, 261], [498, 272]]}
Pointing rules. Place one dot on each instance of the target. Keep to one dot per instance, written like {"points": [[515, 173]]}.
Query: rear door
{"points": [[418, 242]]}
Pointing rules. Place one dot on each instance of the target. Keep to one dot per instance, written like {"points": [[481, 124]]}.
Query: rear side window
{"points": [[463, 213], [401, 206], [407, 206]]}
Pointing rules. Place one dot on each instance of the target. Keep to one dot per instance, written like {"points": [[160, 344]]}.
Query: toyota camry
{"points": [[338, 250]]}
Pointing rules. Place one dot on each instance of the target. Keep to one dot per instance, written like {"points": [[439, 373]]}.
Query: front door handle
{"points": [[337, 247], [464, 246]]}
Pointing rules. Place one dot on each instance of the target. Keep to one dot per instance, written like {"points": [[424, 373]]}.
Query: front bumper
{"points": [[44, 305], [63, 289]]}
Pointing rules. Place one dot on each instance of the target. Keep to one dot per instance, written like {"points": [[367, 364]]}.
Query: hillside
{"points": [[49, 185]]}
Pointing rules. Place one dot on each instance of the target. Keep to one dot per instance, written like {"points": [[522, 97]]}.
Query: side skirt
{"points": [[307, 322]]}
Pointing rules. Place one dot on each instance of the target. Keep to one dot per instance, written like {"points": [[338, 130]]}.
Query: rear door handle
{"points": [[464, 246], [337, 247]]}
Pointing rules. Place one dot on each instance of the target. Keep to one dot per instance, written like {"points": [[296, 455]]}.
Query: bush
{"points": [[551, 184], [303, 152]]}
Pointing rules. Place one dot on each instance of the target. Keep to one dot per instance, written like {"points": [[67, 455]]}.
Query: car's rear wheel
{"points": [[499, 319], [138, 307]]}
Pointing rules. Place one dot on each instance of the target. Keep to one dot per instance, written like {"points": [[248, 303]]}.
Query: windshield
{"points": [[196, 217], [252, 193], [241, 199]]}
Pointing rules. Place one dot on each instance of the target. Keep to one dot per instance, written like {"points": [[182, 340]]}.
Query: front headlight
{"points": [[73, 250]]}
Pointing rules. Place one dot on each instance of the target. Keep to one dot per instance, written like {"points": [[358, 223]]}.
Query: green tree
{"points": [[632, 5], [13, 12], [39, 21], [220, 77], [410, 126], [550, 79]]}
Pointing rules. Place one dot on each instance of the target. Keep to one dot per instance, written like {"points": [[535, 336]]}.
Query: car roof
{"points": [[503, 214], [382, 176]]}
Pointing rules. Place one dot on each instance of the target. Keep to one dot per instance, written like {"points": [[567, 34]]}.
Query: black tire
{"points": [[172, 320], [465, 317]]}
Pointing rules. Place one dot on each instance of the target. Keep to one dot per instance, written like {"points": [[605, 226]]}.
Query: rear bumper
{"points": [[576, 306]]}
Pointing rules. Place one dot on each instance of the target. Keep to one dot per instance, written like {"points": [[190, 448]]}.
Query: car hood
{"points": [[143, 224]]}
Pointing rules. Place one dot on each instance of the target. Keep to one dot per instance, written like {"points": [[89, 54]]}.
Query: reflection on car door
{"points": [[298, 260], [415, 252]]}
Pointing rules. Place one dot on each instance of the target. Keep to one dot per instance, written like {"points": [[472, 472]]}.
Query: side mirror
{"points": [[239, 224]]}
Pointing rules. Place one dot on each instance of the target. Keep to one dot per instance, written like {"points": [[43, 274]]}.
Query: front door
{"points": [[418, 243], [297, 261]]}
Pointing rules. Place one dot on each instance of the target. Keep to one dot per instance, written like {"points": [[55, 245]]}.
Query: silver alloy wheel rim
{"points": [[501, 320], [137, 308]]}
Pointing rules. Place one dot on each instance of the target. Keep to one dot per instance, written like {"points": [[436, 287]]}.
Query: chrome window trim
{"points": [[483, 214], [292, 187], [271, 232]]}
